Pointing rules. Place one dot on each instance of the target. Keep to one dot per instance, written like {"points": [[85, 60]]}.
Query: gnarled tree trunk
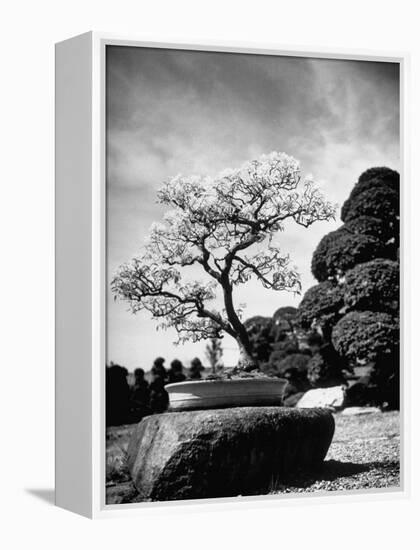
{"points": [[246, 362]]}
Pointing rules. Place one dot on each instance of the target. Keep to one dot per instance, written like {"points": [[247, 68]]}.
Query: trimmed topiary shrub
{"points": [[366, 225], [385, 175], [356, 303], [320, 306], [339, 251], [363, 336], [370, 181], [285, 317], [373, 286], [378, 202]]}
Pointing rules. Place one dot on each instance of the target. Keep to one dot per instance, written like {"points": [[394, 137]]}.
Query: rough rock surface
{"points": [[330, 398], [225, 452]]}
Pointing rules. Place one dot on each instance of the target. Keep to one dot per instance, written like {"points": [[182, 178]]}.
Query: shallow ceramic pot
{"points": [[218, 394]]}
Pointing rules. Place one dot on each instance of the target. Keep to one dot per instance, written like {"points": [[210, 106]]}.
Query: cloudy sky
{"points": [[183, 112]]}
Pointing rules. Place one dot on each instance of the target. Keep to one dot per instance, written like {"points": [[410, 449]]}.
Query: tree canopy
{"points": [[212, 223]]}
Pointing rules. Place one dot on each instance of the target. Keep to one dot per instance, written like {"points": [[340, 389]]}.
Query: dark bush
{"points": [[158, 368], [386, 378], [362, 393], [139, 397], [320, 306], [159, 398], [339, 251], [195, 370], [297, 379], [175, 372], [366, 336], [297, 361], [314, 340], [260, 334], [373, 286], [284, 318], [325, 368], [117, 395]]}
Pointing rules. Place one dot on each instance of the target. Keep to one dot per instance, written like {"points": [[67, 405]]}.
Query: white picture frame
{"points": [[80, 273]]}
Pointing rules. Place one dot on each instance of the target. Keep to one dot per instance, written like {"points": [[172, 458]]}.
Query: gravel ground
{"points": [[364, 454]]}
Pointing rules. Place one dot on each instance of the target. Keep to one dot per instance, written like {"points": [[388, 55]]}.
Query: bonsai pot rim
{"points": [[217, 394]]}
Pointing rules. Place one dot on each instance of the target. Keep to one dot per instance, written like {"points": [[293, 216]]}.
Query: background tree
{"points": [[355, 306], [214, 353], [117, 395], [213, 223], [176, 372], [195, 370], [261, 337]]}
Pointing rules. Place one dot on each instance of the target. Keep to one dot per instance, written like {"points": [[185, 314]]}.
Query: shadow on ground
{"points": [[330, 474], [47, 495]]}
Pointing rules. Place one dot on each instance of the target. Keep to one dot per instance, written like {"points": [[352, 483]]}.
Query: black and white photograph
{"points": [[252, 275]]}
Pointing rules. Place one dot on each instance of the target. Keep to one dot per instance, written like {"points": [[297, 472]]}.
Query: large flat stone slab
{"points": [[225, 452]]}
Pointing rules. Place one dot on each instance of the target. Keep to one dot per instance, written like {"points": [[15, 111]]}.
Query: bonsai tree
{"points": [[214, 353], [225, 225]]}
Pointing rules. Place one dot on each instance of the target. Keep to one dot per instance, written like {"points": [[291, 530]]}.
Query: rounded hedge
{"points": [[376, 202], [386, 175], [297, 361], [320, 305], [373, 286], [367, 225], [284, 320], [366, 336], [287, 313], [339, 251], [370, 181]]}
